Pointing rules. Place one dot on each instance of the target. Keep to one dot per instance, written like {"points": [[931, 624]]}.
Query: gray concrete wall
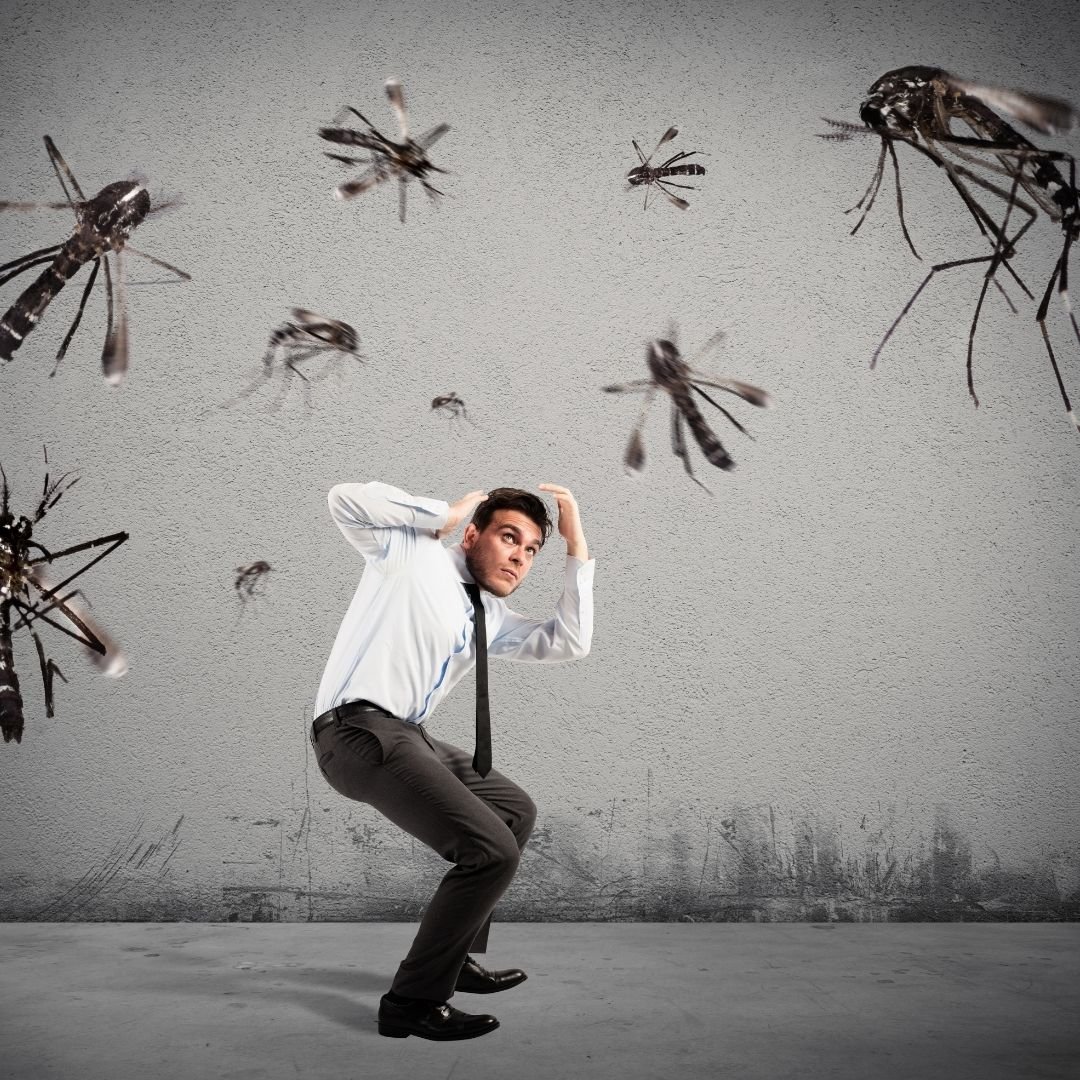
{"points": [[844, 687]]}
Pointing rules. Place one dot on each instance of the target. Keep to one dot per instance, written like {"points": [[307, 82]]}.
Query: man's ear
{"points": [[471, 533]]}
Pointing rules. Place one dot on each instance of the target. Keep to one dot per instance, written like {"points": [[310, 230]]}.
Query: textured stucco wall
{"points": [[845, 687]]}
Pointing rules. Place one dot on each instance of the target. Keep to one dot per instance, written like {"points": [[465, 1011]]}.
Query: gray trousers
{"points": [[430, 790]]}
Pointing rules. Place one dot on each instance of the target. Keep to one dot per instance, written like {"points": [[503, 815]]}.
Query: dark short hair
{"points": [[524, 502]]}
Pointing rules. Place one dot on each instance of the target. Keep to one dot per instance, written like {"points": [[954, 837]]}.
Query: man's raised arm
{"points": [[371, 515]]}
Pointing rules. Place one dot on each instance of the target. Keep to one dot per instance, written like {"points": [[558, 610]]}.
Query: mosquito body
{"points": [[917, 106], [103, 225], [451, 405], [28, 596], [669, 372], [250, 580], [402, 160], [657, 175], [305, 336]]}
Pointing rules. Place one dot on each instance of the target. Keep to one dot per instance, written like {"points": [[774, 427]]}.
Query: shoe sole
{"points": [[391, 1031]]}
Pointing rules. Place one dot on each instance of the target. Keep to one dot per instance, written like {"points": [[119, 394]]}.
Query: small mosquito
{"points": [[651, 175], [103, 225], [28, 595], [916, 105], [406, 159], [668, 371], [451, 405], [306, 336], [251, 580]]}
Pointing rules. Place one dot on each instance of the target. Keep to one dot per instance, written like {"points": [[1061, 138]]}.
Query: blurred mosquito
{"points": [[452, 406], [28, 595], [251, 580], [668, 371], [916, 105], [103, 225], [656, 175], [405, 159], [306, 336]]}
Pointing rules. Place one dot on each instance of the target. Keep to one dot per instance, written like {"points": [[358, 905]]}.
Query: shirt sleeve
{"points": [[382, 521], [566, 636]]}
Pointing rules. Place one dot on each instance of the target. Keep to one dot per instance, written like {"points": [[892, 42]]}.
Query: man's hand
{"points": [[569, 521], [459, 511]]}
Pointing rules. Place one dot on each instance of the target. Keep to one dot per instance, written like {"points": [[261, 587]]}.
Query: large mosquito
{"points": [[916, 105], [102, 227], [28, 596], [656, 175], [404, 160], [305, 336], [668, 371]]}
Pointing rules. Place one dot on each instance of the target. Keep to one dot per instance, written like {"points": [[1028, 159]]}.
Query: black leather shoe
{"points": [[477, 980], [431, 1020]]}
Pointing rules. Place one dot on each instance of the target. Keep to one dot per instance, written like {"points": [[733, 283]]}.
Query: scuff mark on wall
{"points": [[130, 859]]}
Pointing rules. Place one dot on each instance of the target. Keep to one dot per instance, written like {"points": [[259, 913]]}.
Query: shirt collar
{"points": [[457, 556]]}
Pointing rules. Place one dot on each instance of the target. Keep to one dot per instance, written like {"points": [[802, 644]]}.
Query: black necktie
{"points": [[481, 761]]}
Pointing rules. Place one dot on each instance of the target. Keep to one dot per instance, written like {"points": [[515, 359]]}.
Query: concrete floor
{"points": [[672, 1001]]}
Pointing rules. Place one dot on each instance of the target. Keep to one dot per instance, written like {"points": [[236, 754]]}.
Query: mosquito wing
{"points": [[429, 138], [1049, 115], [114, 356], [396, 93], [365, 182]]}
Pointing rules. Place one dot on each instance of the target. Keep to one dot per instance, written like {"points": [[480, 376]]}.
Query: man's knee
{"points": [[496, 853]]}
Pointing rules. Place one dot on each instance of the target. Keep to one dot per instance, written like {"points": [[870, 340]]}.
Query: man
{"points": [[410, 634]]}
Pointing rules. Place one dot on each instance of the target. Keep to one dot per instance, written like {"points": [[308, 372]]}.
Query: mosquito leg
{"points": [[159, 262], [726, 413], [918, 291], [870, 194], [35, 258], [682, 204], [78, 317], [900, 198], [48, 670], [678, 445], [60, 167], [1040, 318]]}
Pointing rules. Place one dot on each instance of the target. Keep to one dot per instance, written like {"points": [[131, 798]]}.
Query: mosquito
{"points": [[250, 580], [307, 335], [29, 596], [917, 105], [406, 159], [668, 371], [651, 175], [452, 406], [102, 227]]}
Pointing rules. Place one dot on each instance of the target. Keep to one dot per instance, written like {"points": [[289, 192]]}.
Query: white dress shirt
{"points": [[408, 635]]}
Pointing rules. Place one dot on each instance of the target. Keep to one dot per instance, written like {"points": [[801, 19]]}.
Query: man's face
{"points": [[499, 557]]}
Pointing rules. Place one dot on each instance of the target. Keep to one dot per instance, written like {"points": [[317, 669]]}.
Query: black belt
{"points": [[344, 712]]}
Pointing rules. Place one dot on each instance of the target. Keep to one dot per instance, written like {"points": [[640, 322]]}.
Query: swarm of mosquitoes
{"points": [[989, 164], [916, 106]]}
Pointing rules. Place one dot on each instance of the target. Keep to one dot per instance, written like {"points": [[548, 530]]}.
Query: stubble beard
{"points": [[481, 579]]}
